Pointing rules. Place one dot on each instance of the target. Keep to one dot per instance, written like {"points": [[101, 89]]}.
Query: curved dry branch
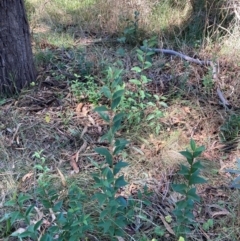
{"points": [[182, 56], [213, 65]]}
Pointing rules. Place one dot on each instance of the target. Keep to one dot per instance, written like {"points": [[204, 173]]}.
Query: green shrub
{"points": [[184, 208]]}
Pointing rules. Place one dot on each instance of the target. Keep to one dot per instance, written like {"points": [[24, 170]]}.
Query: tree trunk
{"points": [[16, 60]]}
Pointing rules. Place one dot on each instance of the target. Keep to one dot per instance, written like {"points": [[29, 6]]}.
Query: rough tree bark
{"points": [[16, 60]]}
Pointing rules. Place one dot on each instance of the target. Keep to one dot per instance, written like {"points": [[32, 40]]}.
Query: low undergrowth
{"points": [[109, 174], [61, 212]]}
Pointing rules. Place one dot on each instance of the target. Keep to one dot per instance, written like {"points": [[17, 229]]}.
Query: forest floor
{"points": [[53, 124]]}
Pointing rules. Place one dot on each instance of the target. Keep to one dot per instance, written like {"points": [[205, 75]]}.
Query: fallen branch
{"points": [[182, 56], [196, 61], [223, 100]]}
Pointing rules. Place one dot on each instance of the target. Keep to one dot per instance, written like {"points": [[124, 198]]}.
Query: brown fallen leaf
{"points": [[186, 109], [27, 176], [85, 110], [79, 107], [73, 163], [63, 179]]}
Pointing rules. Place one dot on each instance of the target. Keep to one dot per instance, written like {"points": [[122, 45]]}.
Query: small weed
{"points": [[88, 89], [208, 82], [41, 168], [44, 57], [208, 225], [66, 117], [230, 129], [131, 31], [136, 103]]}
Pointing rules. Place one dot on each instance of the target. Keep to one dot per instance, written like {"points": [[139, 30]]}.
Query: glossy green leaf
{"points": [[140, 57], [25, 234], [46, 204], [119, 166], [164, 104], [151, 104], [116, 82], [144, 79], [136, 69], [106, 225], [198, 151], [193, 195], [53, 229], [39, 167], [192, 144], [46, 237], [116, 126], [37, 225], [108, 136], [142, 94], [118, 94], [105, 152], [104, 116], [197, 165], [107, 92], [150, 117], [122, 201], [101, 197], [118, 149], [109, 175], [149, 53], [120, 144], [118, 117], [139, 51], [115, 103], [57, 207], [29, 210], [184, 170], [61, 219], [104, 213], [147, 65], [120, 222], [135, 82], [15, 216], [120, 182], [180, 188], [101, 108], [10, 203], [188, 155], [181, 204], [196, 180]]}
